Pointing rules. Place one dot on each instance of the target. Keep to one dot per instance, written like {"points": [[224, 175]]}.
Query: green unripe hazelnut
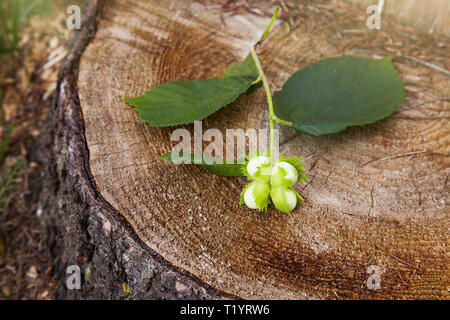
{"points": [[272, 183], [284, 199], [257, 195], [283, 174], [259, 168]]}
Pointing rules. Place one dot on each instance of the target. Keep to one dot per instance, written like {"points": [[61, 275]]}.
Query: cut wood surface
{"points": [[429, 16], [377, 195]]}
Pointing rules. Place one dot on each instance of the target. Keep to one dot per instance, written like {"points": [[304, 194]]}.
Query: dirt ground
{"points": [[28, 79]]}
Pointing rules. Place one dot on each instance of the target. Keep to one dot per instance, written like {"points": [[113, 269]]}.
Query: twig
{"points": [[309, 182], [433, 101], [222, 19], [326, 180], [417, 60], [420, 118], [425, 63], [286, 11], [408, 154], [405, 262], [371, 198], [401, 278], [314, 164], [384, 138]]}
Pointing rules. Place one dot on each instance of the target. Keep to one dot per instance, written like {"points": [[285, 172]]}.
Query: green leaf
{"points": [[245, 68], [211, 164], [330, 95], [181, 102]]}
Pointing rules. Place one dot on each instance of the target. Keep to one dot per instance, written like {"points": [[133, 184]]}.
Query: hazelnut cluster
{"points": [[273, 183]]}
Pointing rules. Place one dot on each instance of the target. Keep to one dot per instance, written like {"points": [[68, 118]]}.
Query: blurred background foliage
{"points": [[33, 43], [13, 15]]}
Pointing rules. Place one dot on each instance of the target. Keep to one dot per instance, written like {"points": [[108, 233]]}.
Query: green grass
{"points": [[9, 175], [13, 15], [8, 178]]}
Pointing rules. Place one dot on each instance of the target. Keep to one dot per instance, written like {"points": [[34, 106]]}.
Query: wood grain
{"points": [[357, 213]]}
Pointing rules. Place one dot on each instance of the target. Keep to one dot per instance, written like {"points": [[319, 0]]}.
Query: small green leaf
{"points": [[212, 165], [181, 102], [335, 93]]}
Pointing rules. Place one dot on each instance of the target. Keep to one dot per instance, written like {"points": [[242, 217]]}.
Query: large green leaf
{"points": [[180, 102], [212, 165], [335, 93]]}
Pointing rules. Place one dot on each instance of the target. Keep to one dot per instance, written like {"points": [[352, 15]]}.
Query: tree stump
{"points": [[377, 195]]}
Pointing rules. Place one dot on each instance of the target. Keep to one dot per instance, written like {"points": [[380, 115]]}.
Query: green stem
{"points": [[268, 95], [274, 17], [262, 76]]}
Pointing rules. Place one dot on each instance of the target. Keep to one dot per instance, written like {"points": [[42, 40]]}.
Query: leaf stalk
{"points": [[262, 76]]}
